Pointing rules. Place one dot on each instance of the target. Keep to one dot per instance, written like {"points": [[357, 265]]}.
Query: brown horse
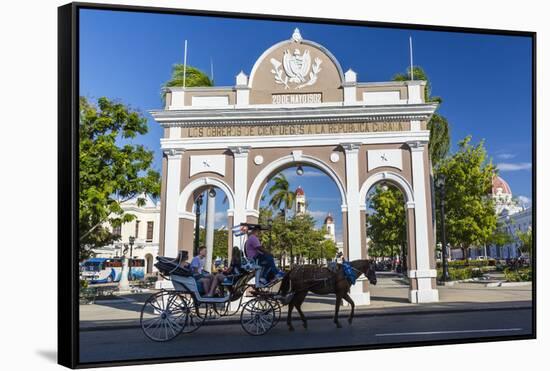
{"points": [[322, 281]]}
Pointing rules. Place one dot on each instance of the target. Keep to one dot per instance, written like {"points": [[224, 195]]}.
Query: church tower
{"points": [[329, 224], [300, 205]]}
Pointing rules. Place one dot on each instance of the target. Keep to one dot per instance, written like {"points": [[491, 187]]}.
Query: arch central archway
{"points": [[260, 182]]}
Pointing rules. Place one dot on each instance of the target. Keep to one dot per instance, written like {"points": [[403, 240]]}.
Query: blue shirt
{"points": [[197, 264]]}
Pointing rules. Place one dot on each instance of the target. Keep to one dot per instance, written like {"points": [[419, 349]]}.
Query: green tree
{"points": [[297, 238], [440, 138], [220, 242], [111, 169], [386, 225], [327, 249], [526, 240], [382, 251], [193, 77], [500, 237], [470, 217], [281, 194]]}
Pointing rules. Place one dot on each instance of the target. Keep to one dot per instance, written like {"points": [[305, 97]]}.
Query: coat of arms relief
{"points": [[297, 67]]}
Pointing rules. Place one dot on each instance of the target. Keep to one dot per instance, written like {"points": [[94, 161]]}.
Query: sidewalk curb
{"points": [[509, 284], [315, 315]]}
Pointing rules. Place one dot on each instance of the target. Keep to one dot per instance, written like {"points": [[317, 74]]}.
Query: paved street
{"points": [[466, 310], [390, 293], [380, 329]]}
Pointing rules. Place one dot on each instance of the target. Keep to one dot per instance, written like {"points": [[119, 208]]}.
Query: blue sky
{"points": [[484, 80]]}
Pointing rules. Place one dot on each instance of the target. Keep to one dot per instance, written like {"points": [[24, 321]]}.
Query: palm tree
{"points": [[281, 194], [438, 125], [193, 77]]}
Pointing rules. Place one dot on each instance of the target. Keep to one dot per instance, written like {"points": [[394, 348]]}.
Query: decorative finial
{"points": [[296, 36]]}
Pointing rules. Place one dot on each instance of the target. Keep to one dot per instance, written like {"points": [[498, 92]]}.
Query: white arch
{"points": [[196, 184], [390, 176], [290, 159], [306, 42]]}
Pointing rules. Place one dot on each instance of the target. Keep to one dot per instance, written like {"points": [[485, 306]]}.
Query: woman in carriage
{"points": [[228, 275]]}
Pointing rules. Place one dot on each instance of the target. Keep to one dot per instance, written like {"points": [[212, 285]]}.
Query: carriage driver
{"points": [[255, 250]]}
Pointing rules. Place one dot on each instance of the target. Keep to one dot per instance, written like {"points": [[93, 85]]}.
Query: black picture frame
{"points": [[68, 167]]}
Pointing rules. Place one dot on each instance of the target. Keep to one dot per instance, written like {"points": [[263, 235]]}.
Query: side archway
{"points": [[395, 178], [401, 183], [187, 216], [196, 184]]}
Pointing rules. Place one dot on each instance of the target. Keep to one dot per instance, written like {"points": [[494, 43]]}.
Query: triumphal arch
{"points": [[298, 107]]}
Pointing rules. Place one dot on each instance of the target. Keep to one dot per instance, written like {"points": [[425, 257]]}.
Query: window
{"points": [[137, 229], [117, 230], [150, 226]]}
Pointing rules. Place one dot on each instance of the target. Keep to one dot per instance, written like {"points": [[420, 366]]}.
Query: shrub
{"points": [[470, 263], [520, 275], [457, 274]]}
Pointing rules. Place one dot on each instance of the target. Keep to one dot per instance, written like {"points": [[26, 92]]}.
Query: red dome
{"points": [[299, 191], [329, 218], [498, 182]]}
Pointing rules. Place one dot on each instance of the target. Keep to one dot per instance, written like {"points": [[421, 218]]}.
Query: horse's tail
{"points": [[285, 285]]}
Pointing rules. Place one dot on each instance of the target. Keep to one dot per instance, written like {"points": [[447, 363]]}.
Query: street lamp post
{"points": [[198, 203], [270, 224], [511, 234], [444, 264], [131, 240]]}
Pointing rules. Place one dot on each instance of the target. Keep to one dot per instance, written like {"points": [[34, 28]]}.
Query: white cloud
{"points": [[318, 214], [505, 156], [307, 174], [322, 199], [524, 200], [509, 166], [219, 218]]}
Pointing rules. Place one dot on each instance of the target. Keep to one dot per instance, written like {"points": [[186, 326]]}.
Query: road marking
{"points": [[450, 332]]}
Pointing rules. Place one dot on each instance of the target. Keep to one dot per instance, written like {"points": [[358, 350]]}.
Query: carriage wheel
{"points": [[163, 315], [196, 315], [257, 316]]}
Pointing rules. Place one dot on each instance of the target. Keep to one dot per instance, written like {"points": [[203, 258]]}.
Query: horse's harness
{"points": [[333, 268]]}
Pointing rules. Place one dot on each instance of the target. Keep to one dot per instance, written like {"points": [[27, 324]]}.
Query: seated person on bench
{"points": [[197, 267], [254, 250], [228, 273]]}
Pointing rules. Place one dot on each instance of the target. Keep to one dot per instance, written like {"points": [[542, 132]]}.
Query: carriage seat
{"points": [[168, 266]]}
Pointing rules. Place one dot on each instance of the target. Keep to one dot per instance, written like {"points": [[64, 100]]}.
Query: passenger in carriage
{"points": [[183, 257], [228, 274], [255, 250], [197, 267]]}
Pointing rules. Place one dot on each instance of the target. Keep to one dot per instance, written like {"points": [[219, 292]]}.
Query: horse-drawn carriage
{"points": [[168, 313]]}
